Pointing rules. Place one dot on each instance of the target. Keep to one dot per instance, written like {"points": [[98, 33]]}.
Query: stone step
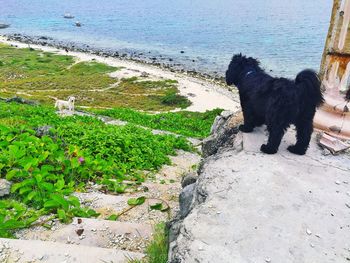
{"points": [[107, 205], [94, 233], [24, 251]]}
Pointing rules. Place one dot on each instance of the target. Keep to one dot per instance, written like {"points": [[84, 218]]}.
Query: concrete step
{"points": [[107, 205], [94, 233], [24, 251]]}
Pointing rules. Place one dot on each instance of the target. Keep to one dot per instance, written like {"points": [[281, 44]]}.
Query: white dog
{"points": [[61, 104]]}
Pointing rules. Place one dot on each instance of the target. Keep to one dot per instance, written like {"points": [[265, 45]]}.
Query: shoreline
{"points": [[204, 93], [158, 60]]}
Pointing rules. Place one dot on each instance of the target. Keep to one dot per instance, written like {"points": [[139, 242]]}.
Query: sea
{"points": [[201, 35]]}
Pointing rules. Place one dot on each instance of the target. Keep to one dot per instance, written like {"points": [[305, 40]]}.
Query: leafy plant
{"points": [[46, 169], [192, 124], [136, 201]]}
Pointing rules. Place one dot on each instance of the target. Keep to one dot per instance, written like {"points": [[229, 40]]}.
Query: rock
{"points": [[326, 152], [144, 75], [191, 94], [5, 187], [261, 196], [220, 121], [21, 100], [223, 131], [190, 178], [185, 200], [43, 131]]}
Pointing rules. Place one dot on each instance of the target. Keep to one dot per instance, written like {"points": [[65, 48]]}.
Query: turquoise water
{"points": [[286, 36]]}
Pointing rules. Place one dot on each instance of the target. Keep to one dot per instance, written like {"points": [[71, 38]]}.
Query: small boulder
{"points": [[188, 179], [21, 101], [144, 75], [223, 131], [5, 187], [185, 200], [43, 131]]}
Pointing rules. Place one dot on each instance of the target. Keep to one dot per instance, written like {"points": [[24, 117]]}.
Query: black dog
{"points": [[276, 102]]}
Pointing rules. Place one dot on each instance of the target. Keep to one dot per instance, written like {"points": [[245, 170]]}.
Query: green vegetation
{"points": [[47, 158], [192, 124], [172, 98], [46, 170], [41, 76], [157, 249]]}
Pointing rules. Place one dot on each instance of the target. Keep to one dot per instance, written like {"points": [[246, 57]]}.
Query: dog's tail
{"points": [[309, 81], [51, 97]]}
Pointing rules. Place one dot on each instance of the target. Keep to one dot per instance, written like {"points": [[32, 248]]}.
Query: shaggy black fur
{"points": [[276, 102]]}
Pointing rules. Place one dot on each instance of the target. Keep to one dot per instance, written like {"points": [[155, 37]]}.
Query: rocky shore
{"points": [[159, 60]]}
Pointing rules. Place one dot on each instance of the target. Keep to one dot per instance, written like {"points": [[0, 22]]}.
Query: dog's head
{"points": [[71, 99], [238, 67]]}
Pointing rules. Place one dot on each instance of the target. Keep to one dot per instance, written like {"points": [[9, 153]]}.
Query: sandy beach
{"points": [[204, 94]]}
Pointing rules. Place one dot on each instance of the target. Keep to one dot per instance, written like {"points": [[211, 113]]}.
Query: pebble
{"points": [[331, 231], [337, 182], [312, 245], [308, 231], [267, 260]]}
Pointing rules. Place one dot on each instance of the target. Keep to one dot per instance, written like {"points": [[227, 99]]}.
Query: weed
{"points": [[157, 249]]}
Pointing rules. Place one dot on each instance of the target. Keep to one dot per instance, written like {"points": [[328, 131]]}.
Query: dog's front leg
{"points": [[248, 116]]}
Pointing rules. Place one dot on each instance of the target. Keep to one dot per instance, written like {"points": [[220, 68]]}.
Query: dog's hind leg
{"points": [[274, 141], [304, 131]]}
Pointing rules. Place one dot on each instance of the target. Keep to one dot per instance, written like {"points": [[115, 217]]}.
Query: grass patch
{"points": [[191, 124], [172, 98], [46, 170], [157, 249], [40, 75]]}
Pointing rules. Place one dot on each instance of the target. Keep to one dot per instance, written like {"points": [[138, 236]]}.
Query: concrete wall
{"points": [[334, 116]]}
